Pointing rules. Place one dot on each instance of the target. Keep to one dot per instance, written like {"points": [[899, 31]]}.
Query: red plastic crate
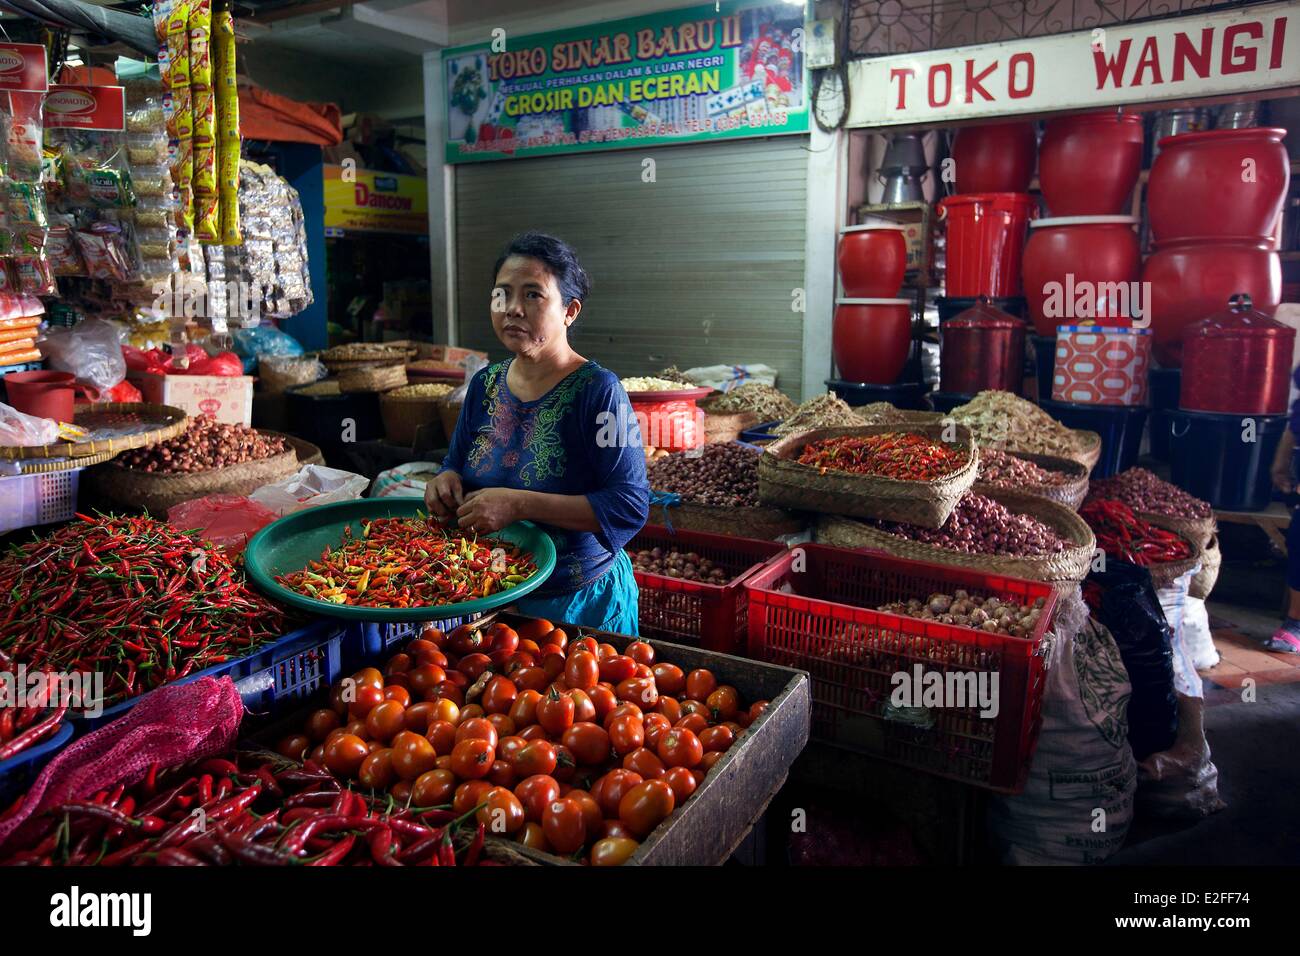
{"points": [[819, 619], [710, 616]]}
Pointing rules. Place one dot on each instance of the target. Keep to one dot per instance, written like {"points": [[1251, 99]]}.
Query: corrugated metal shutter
{"points": [[695, 268]]}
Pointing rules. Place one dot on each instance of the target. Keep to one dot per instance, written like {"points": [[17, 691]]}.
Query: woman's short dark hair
{"points": [[558, 257]]}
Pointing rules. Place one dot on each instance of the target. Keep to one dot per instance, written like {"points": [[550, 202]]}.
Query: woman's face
{"points": [[528, 311]]}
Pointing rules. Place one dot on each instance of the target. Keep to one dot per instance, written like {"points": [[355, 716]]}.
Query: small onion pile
{"points": [[993, 615], [1143, 491], [689, 566], [1002, 470], [980, 525], [206, 443], [723, 474]]}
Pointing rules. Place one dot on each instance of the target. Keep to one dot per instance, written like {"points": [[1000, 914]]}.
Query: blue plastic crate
{"points": [[18, 772], [759, 433], [275, 676], [379, 638]]}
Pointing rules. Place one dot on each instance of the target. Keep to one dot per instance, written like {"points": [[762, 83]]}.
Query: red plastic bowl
{"points": [[1089, 164], [1192, 279], [995, 158], [870, 339], [1219, 184], [872, 260], [1084, 256]]}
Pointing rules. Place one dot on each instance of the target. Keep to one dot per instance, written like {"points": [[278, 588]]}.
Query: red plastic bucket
{"points": [[986, 237], [43, 394]]}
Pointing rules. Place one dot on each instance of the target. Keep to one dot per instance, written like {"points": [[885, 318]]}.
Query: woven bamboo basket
{"points": [[783, 482], [727, 427], [404, 416], [1067, 567], [276, 373], [129, 490], [365, 355], [375, 378], [1190, 531], [449, 413], [114, 427], [1211, 561], [1069, 493], [761, 523]]}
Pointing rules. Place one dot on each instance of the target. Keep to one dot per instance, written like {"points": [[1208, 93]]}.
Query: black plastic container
{"points": [[907, 395], [947, 401], [1042, 352], [1120, 428], [1165, 385], [1211, 458], [332, 422], [951, 307]]}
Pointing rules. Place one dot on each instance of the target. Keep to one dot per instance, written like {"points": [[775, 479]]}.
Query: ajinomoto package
{"points": [[227, 95], [207, 216]]}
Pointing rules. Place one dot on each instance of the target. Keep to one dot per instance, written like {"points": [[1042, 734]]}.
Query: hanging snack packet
{"points": [[104, 247], [61, 248], [25, 204], [207, 216], [24, 153], [227, 92]]}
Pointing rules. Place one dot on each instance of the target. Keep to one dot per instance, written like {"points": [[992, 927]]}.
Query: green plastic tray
{"points": [[289, 543]]}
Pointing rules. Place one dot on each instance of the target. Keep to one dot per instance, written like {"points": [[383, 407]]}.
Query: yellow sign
{"points": [[361, 200]]}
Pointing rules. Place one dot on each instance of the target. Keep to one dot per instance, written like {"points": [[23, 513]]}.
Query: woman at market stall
{"points": [[534, 442]]}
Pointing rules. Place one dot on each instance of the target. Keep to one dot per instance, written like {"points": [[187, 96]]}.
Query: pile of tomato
{"points": [[566, 746]]}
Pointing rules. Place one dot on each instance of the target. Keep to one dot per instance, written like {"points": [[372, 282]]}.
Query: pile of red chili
{"points": [[900, 455], [131, 598], [411, 562], [258, 810], [23, 727], [1122, 534]]}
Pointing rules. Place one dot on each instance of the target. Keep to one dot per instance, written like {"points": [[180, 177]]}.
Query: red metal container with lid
{"points": [[982, 348], [1237, 362]]}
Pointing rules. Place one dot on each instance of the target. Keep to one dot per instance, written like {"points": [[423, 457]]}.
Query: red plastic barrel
{"points": [[986, 238]]}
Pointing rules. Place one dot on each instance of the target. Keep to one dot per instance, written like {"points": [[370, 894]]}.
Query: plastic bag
{"points": [[1124, 600], [253, 344], [228, 521], [21, 430], [726, 377], [90, 350], [472, 365], [1173, 598], [405, 481], [1196, 634], [314, 485], [1181, 782]]}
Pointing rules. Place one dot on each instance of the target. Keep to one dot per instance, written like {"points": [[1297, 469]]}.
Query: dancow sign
{"points": [[361, 200]]}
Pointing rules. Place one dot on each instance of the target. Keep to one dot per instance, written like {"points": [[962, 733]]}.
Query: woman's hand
{"points": [[489, 509], [444, 494]]}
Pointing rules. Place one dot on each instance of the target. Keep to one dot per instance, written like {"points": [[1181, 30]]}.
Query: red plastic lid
{"points": [[984, 315], [1240, 318]]}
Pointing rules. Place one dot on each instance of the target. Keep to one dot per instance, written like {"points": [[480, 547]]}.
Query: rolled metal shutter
{"points": [[698, 267]]}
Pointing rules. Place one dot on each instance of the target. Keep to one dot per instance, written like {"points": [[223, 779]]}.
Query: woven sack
{"points": [[375, 378], [1069, 493], [784, 482], [1202, 532], [1067, 566], [131, 490]]}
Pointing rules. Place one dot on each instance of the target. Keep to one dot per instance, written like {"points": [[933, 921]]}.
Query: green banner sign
{"points": [[682, 76]]}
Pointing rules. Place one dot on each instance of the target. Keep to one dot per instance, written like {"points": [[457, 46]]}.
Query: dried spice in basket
{"points": [[824, 411], [765, 401], [1006, 421], [411, 562], [1003, 470], [900, 455], [980, 525], [1143, 491], [132, 598], [724, 474], [1122, 534]]}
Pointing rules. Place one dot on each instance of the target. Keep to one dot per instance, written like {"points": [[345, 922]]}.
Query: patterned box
{"points": [[1101, 365]]}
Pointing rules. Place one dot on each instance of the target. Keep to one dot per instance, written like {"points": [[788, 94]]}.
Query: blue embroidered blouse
{"points": [[579, 438]]}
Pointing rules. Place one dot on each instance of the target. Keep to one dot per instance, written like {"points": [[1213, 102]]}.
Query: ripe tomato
{"points": [[619, 710], [377, 771], [555, 712], [530, 678], [527, 646], [397, 664], [534, 837], [534, 732], [504, 725], [591, 813], [641, 652], [357, 728], [424, 678], [670, 707], [645, 806], [617, 668], [669, 679], [413, 755], [294, 746], [317, 755], [469, 795], [401, 791], [470, 712], [656, 725], [344, 755], [502, 774], [700, 684], [566, 764], [536, 793], [680, 748], [556, 636], [644, 763], [603, 699], [421, 651], [565, 825], [503, 637], [638, 690], [447, 691], [695, 723], [516, 661], [587, 644], [552, 659], [524, 709], [536, 757], [695, 707], [396, 680], [472, 758], [614, 828], [583, 708], [321, 723], [508, 748], [369, 677], [609, 790], [367, 697], [373, 745], [589, 743], [626, 733], [643, 671], [386, 721], [612, 851], [473, 666], [682, 782], [457, 677], [466, 640], [582, 670], [502, 812], [534, 629], [724, 703], [433, 788], [444, 763], [477, 727], [498, 695], [756, 709], [718, 738], [398, 693], [337, 703], [710, 758], [442, 734], [433, 635]]}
